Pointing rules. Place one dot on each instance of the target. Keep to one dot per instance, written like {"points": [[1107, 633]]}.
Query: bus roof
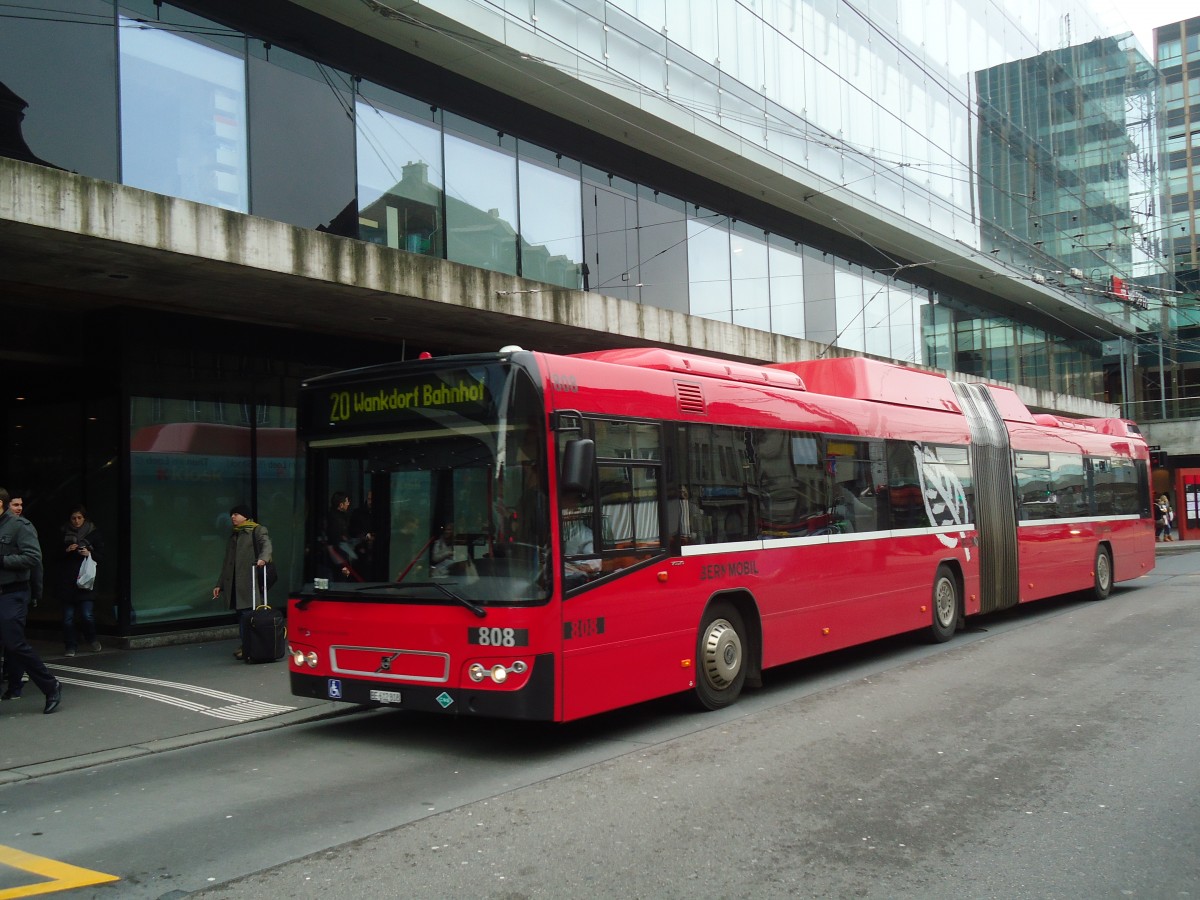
{"points": [[690, 364], [852, 377], [870, 379]]}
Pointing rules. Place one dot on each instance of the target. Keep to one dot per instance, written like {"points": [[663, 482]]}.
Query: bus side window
{"points": [[903, 489], [1066, 472], [783, 501], [1035, 489]]}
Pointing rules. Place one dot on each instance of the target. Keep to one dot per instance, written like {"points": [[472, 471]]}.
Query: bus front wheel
{"points": [[946, 607], [1103, 579], [720, 658]]}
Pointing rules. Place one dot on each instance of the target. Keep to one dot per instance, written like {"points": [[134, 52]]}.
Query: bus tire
{"points": [[720, 658], [1102, 574], [946, 606]]}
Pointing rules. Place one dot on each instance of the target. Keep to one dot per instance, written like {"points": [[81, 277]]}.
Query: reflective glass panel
{"points": [[183, 117], [749, 281], [662, 240], [876, 314], [300, 126], [399, 180], [67, 74], [184, 478], [820, 314], [551, 223], [481, 205], [708, 267], [787, 290], [851, 333], [610, 235], [905, 323]]}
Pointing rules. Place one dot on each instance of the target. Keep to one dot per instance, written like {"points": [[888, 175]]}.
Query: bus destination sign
{"points": [[398, 399]]}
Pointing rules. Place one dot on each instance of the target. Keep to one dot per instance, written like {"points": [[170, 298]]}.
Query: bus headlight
{"points": [[497, 673], [301, 658]]}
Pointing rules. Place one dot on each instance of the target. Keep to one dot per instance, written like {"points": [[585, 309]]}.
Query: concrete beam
{"points": [[94, 243]]}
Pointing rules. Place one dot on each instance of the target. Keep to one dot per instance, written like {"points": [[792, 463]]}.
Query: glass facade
{"points": [[1042, 153], [1068, 151], [190, 463], [1170, 377]]}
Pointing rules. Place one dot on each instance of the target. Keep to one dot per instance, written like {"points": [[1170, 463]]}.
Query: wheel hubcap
{"points": [[722, 654], [1102, 573], [943, 603]]}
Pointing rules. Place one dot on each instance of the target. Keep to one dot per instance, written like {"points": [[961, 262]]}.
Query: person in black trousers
{"points": [[80, 539], [20, 554], [13, 673]]}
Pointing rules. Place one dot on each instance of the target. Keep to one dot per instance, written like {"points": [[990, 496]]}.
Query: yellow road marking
{"points": [[62, 877]]}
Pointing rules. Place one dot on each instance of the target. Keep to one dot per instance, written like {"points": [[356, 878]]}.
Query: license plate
{"points": [[385, 696]]}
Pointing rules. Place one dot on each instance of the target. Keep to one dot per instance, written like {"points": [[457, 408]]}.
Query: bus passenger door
{"points": [[609, 534]]}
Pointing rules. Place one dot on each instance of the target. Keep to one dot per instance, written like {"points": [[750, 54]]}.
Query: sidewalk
{"points": [[122, 703], [1176, 546]]}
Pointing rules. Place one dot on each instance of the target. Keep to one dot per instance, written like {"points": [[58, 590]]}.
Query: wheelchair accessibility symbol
{"points": [[335, 689]]}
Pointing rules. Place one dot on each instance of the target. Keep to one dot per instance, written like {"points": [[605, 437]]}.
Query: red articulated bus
{"points": [[551, 536]]}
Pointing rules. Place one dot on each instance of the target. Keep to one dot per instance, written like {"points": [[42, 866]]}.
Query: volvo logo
{"points": [[385, 663]]}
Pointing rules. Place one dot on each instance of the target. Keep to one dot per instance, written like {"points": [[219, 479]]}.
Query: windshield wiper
{"points": [[469, 604], [454, 595]]}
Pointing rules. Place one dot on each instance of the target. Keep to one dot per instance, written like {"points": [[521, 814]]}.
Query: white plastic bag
{"points": [[87, 573]]}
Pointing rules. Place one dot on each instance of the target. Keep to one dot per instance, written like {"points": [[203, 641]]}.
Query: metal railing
{"points": [[1164, 410]]}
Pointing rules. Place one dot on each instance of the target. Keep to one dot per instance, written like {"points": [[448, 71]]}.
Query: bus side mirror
{"points": [[579, 458]]}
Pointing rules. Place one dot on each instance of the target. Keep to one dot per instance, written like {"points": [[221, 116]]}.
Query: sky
{"points": [[1144, 16]]}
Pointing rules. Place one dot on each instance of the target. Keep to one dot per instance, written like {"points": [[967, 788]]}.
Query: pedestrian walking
{"points": [[249, 548], [81, 541], [1164, 518], [20, 554], [14, 674]]}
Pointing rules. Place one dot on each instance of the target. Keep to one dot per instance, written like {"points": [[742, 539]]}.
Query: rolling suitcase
{"points": [[264, 632]]}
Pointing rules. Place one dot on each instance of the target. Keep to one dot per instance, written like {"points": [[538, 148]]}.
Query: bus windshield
{"points": [[434, 485]]}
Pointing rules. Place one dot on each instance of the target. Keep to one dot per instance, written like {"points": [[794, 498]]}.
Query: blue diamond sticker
{"points": [[444, 699]]}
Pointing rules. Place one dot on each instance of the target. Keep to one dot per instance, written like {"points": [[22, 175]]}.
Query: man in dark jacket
{"points": [[13, 673], [20, 556]]}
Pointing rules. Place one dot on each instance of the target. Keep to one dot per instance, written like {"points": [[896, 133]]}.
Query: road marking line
{"points": [[120, 676], [63, 876], [240, 709]]}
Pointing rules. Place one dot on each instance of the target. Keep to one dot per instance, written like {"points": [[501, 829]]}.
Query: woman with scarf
{"points": [[80, 539], [248, 551]]}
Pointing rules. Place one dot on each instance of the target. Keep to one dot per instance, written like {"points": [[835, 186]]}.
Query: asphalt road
{"points": [[1048, 752], [1054, 755]]}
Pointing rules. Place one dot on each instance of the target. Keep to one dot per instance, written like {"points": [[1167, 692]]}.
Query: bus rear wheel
{"points": [[1103, 580], [720, 658], [946, 608]]}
